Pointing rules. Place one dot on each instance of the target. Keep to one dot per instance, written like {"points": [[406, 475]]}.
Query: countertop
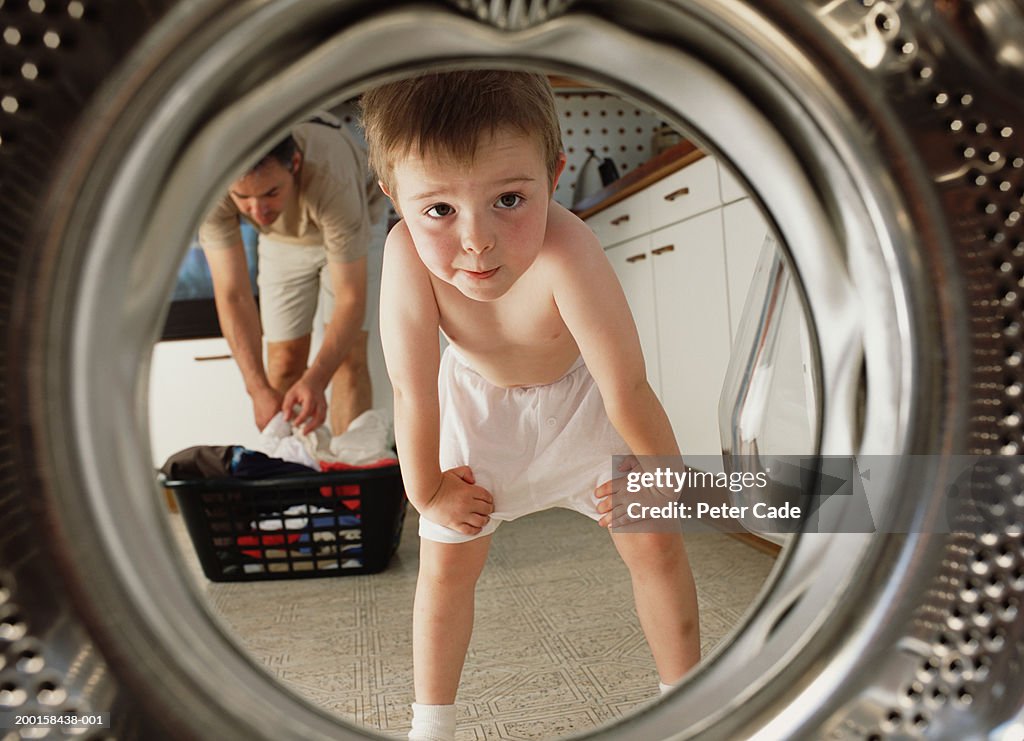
{"points": [[674, 158]]}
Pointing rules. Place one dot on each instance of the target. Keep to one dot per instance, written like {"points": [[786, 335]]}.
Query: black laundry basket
{"points": [[327, 524]]}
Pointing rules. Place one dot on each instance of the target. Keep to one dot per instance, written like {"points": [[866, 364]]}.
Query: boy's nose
{"points": [[477, 242]]}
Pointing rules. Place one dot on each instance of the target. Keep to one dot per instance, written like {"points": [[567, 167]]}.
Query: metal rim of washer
{"points": [[150, 169]]}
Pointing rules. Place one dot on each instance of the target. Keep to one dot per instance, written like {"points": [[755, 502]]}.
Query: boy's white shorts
{"points": [[533, 447]]}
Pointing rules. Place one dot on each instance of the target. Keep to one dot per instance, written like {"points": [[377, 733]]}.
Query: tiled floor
{"points": [[556, 647]]}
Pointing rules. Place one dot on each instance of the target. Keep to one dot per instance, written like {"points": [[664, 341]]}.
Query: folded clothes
{"points": [[350, 492], [325, 529], [299, 562], [272, 540], [294, 519], [324, 543]]}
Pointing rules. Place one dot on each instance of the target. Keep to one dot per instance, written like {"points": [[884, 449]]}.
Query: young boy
{"points": [[543, 380]]}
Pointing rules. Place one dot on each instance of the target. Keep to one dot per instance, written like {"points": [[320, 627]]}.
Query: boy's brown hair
{"points": [[446, 113]]}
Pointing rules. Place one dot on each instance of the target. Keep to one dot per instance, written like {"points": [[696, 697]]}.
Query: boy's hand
{"points": [[614, 500], [458, 503], [611, 507]]}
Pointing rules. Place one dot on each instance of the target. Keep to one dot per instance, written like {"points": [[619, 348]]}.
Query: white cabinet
{"points": [[732, 188], [692, 327], [634, 266], [674, 277], [197, 397], [624, 220], [686, 279], [685, 193]]}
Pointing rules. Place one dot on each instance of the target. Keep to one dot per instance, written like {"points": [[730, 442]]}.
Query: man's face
{"points": [[261, 195], [478, 226]]}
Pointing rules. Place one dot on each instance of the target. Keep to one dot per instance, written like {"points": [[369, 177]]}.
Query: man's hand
{"points": [[458, 503], [265, 404], [308, 395]]}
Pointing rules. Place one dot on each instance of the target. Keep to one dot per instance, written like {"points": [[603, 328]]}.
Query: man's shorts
{"points": [[293, 278], [532, 447]]}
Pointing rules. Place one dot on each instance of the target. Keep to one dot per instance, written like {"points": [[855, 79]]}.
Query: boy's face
{"points": [[480, 225]]}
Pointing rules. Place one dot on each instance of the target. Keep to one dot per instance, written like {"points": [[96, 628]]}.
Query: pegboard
{"points": [[609, 125]]}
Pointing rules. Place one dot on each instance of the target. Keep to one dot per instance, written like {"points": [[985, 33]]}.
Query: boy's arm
{"points": [[592, 305], [409, 335], [409, 322]]}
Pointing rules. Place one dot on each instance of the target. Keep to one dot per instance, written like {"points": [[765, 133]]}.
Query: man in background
{"points": [[310, 201]]}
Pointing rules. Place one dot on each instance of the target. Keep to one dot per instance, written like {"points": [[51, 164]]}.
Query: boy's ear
{"points": [[558, 171], [384, 190]]}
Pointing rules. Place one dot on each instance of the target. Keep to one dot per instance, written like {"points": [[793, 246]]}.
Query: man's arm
{"points": [[409, 321], [594, 308], [240, 325], [348, 281]]}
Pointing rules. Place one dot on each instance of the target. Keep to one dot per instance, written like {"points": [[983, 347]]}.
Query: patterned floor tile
{"points": [[556, 648]]}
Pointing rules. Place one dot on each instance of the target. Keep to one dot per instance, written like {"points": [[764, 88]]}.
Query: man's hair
{"points": [[446, 114], [282, 153]]}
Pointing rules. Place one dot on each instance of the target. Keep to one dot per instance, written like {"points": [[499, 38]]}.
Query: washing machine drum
{"points": [[885, 141]]}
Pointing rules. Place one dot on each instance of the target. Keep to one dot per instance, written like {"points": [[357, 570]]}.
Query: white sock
{"points": [[432, 723], [664, 687]]}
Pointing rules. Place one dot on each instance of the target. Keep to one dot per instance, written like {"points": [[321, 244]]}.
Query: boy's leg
{"points": [[666, 599], [442, 620]]}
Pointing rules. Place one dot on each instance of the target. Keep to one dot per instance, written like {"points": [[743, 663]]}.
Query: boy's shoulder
{"points": [[401, 260], [399, 240], [567, 239]]}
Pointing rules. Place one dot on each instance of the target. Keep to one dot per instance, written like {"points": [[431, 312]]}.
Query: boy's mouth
{"points": [[482, 275]]}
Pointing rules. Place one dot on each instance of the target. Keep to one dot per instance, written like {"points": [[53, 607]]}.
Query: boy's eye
{"points": [[509, 200], [439, 210]]}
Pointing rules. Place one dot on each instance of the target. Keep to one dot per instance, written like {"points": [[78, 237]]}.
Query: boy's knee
{"points": [[653, 552], [449, 577], [451, 566]]}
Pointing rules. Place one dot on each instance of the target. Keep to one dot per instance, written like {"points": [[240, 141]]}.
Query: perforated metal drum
{"points": [[885, 139]]}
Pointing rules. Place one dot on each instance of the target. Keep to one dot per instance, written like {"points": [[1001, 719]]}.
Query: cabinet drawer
{"points": [[624, 220], [684, 193]]}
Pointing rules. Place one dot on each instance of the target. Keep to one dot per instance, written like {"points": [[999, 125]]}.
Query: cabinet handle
{"points": [[666, 248], [204, 358], [676, 193], [621, 219], [636, 258]]}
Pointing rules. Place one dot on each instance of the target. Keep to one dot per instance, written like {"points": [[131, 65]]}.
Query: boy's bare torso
{"points": [[519, 339]]}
